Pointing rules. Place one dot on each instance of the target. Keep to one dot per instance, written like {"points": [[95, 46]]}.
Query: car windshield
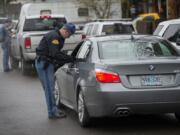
{"points": [[117, 28], [129, 49], [39, 24]]}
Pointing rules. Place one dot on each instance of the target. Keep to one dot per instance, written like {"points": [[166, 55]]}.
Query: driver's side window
{"points": [[84, 50], [76, 49], [175, 37]]}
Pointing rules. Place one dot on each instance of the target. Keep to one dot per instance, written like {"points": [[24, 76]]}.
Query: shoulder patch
{"points": [[55, 42]]}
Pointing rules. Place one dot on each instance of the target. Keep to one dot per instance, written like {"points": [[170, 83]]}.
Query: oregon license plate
{"points": [[151, 80]]}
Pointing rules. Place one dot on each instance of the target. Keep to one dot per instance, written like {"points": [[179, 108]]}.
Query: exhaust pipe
{"points": [[122, 112]]}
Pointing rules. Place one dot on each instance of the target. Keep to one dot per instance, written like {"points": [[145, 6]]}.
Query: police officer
{"points": [[48, 55]]}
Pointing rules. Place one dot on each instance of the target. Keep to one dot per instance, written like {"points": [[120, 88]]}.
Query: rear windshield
{"points": [[117, 28], [39, 24], [129, 50]]}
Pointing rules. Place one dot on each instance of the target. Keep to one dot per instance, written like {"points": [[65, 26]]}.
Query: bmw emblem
{"points": [[151, 67]]}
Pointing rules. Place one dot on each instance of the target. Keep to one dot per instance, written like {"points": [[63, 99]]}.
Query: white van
{"points": [[36, 19]]}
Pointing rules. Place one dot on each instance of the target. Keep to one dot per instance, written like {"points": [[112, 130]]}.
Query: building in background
{"points": [[167, 9]]}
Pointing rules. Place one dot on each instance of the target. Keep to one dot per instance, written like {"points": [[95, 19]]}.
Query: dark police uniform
{"points": [[48, 55], [50, 47]]}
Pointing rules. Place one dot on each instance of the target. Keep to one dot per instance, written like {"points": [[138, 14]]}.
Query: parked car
{"points": [[169, 30], [3, 19], [107, 27], [34, 21], [120, 75]]}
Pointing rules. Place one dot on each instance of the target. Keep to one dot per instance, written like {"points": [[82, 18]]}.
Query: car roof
{"points": [[110, 22], [126, 37], [173, 21]]}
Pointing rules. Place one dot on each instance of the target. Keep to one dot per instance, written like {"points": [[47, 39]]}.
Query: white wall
{"points": [[70, 9]]}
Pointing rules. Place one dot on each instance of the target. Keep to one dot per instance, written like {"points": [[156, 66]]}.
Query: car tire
{"points": [[57, 95], [177, 116], [83, 116], [14, 63], [25, 67]]}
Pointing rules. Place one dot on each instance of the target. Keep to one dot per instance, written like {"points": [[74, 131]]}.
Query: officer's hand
{"points": [[79, 60]]}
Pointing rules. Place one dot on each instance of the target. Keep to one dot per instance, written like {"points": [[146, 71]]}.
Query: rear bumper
{"points": [[29, 56], [108, 103]]}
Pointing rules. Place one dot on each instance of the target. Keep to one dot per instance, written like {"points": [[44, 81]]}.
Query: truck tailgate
{"points": [[35, 38]]}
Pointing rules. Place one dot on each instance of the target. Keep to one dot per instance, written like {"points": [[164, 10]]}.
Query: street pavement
{"points": [[23, 112]]}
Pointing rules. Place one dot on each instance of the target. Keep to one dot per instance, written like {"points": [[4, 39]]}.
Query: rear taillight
{"points": [[107, 77], [27, 43], [83, 36], [45, 17]]}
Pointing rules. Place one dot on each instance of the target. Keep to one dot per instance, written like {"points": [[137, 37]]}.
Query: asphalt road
{"points": [[23, 112]]}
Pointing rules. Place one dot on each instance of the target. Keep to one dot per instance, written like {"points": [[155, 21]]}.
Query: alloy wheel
{"points": [[56, 93], [81, 107]]}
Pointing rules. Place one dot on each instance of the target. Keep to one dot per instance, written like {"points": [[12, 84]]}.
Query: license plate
{"points": [[151, 80]]}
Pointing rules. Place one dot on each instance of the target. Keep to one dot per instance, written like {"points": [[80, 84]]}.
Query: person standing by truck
{"points": [[5, 44], [48, 55]]}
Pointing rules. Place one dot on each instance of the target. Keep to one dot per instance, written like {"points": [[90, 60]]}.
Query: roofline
{"points": [[129, 36], [109, 22], [170, 21]]}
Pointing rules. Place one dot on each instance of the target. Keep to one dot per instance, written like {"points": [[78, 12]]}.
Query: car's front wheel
{"points": [[83, 116]]}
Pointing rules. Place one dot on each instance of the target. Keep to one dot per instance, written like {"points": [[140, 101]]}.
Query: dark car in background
{"points": [[120, 75]]}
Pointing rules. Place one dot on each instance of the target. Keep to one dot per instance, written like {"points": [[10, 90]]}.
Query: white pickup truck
{"points": [[28, 33]]}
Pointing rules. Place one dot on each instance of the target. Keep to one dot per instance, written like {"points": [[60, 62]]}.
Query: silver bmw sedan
{"points": [[120, 75]]}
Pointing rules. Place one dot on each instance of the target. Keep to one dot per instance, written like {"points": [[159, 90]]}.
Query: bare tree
{"points": [[102, 8]]}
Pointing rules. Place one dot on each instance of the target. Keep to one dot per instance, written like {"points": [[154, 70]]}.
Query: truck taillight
{"points": [[27, 43], [45, 17], [107, 77]]}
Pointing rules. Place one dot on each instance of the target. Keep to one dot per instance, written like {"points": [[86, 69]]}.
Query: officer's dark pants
{"points": [[46, 77]]}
